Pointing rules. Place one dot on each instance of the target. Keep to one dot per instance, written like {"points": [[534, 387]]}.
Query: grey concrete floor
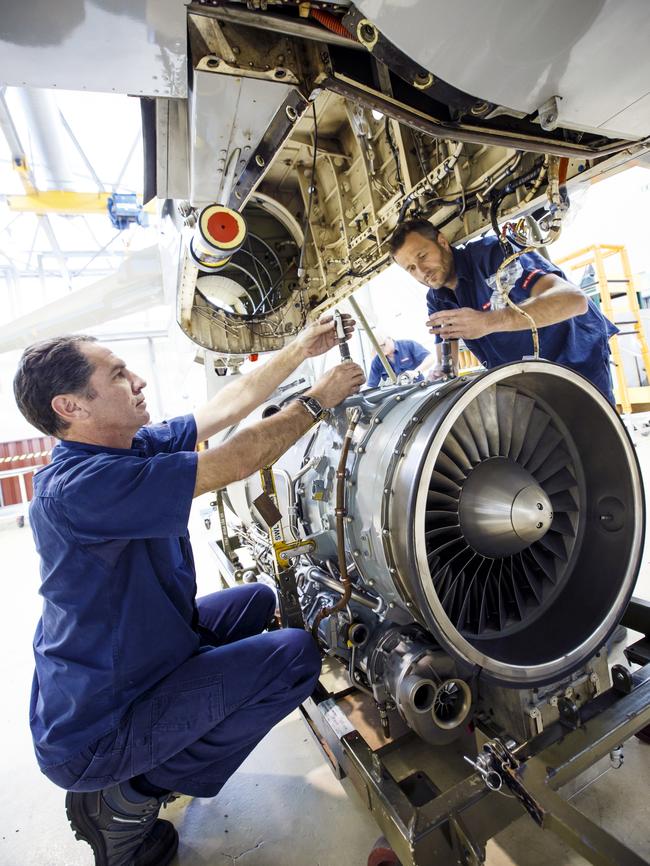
{"points": [[284, 807]]}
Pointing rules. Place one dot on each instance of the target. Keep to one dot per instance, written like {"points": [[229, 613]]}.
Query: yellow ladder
{"points": [[628, 398]]}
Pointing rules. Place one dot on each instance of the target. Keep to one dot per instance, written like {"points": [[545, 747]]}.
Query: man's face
{"points": [[430, 262], [387, 345], [118, 404]]}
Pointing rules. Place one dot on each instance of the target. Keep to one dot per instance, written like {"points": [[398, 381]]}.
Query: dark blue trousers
{"points": [[195, 727]]}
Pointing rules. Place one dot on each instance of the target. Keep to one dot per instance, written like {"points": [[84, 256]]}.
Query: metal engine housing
{"points": [[494, 528]]}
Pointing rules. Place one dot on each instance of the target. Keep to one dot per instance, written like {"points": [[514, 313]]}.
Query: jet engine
{"points": [[492, 527]]}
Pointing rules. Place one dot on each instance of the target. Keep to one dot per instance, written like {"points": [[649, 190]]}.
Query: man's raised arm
{"points": [[262, 443], [245, 393]]}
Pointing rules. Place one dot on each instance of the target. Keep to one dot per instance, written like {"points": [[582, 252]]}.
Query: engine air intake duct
{"points": [[524, 509]]}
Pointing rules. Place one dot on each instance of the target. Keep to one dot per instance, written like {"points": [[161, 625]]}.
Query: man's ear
{"points": [[68, 408], [442, 241]]}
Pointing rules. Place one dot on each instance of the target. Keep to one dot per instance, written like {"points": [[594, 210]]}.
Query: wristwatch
{"points": [[312, 405]]}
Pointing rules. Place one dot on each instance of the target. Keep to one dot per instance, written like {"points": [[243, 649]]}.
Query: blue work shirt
{"points": [[581, 342], [118, 581], [408, 355]]}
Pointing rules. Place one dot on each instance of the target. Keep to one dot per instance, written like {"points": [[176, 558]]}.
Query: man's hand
{"points": [[463, 323], [434, 374], [337, 384], [320, 336]]}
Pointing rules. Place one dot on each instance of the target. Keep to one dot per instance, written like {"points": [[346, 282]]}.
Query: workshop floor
{"points": [[284, 807]]}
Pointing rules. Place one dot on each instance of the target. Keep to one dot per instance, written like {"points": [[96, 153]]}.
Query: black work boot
{"points": [[121, 826]]}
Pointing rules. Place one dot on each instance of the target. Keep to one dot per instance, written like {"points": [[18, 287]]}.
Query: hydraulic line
{"points": [[340, 526], [504, 289]]}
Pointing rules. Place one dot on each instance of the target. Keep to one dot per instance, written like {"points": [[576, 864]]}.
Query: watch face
{"points": [[313, 406]]}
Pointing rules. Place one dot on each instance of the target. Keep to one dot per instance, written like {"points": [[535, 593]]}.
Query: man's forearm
{"points": [[551, 306], [250, 449], [245, 393]]}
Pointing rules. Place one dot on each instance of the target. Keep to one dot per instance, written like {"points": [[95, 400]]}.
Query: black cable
{"points": [[359, 274], [389, 136], [312, 182]]}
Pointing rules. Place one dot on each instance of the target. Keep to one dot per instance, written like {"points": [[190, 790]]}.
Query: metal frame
{"points": [[439, 814], [629, 398]]}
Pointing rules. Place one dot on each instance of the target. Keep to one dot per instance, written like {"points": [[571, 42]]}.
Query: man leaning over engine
{"points": [[140, 688], [463, 303]]}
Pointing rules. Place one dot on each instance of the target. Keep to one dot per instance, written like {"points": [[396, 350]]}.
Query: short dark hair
{"points": [[46, 369], [404, 229]]}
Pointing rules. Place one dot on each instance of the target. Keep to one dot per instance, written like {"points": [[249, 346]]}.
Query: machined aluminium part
{"points": [[504, 513]]}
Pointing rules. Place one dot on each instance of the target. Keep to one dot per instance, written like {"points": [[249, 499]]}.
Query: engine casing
{"points": [[494, 528]]}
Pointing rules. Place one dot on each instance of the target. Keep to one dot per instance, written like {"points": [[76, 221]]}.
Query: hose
{"points": [[340, 527], [505, 294]]}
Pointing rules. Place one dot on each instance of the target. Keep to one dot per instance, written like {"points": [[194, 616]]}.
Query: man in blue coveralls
{"points": [[402, 355], [462, 302], [141, 689]]}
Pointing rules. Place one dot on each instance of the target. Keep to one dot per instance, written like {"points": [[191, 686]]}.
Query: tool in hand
{"points": [[447, 362], [344, 349]]}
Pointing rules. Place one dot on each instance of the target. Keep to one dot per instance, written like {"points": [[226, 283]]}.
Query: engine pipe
{"points": [[340, 526]]}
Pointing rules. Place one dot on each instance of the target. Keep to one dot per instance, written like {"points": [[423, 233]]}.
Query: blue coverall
{"points": [[133, 674], [580, 343], [408, 355]]}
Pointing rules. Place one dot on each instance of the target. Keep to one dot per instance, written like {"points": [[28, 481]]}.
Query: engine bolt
{"points": [[391, 604], [259, 159], [539, 525], [540, 506], [356, 553], [385, 532], [377, 420], [392, 570], [371, 582]]}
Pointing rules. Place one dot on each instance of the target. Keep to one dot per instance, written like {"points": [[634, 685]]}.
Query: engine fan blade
{"points": [[506, 413], [474, 419], [523, 410], [559, 482], [545, 449], [466, 440], [447, 467], [487, 403], [536, 427]]}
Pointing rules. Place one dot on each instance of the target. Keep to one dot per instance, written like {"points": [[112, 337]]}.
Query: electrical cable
{"points": [[391, 142], [312, 182]]}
